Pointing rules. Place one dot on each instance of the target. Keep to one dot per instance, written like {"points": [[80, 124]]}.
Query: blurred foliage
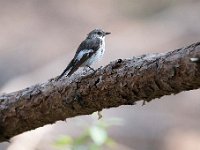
{"points": [[94, 137]]}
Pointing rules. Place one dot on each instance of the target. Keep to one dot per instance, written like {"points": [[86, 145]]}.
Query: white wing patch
{"points": [[95, 57], [83, 52]]}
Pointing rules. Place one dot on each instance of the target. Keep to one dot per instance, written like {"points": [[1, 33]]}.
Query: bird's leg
{"points": [[90, 68], [100, 68], [94, 71]]}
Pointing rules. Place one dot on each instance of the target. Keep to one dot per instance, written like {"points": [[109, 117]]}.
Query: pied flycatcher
{"points": [[90, 50]]}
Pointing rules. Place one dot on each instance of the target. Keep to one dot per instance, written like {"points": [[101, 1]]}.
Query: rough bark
{"points": [[122, 82]]}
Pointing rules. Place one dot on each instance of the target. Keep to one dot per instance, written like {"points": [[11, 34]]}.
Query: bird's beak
{"points": [[106, 33]]}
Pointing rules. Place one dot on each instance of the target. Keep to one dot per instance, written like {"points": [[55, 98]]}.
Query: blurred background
{"points": [[38, 39]]}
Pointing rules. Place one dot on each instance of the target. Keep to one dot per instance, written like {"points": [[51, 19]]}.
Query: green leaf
{"points": [[64, 141], [98, 135], [94, 147], [110, 143], [82, 139]]}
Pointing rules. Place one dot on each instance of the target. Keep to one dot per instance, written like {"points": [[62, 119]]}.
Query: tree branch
{"points": [[122, 82]]}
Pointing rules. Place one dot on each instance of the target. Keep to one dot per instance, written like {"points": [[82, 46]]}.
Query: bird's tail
{"points": [[66, 69]]}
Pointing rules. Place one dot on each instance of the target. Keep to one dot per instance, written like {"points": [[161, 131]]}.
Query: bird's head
{"points": [[97, 33]]}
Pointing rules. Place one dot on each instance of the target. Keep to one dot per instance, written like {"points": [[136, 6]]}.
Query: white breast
{"points": [[101, 50], [98, 54]]}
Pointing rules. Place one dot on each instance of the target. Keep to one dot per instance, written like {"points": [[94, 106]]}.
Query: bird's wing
{"points": [[85, 50], [93, 44], [81, 58]]}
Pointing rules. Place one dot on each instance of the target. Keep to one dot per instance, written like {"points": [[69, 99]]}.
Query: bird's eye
{"points": [[99, 33]]}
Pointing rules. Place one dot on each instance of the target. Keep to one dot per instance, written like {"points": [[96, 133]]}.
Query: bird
{"points": [[89, 51]]}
